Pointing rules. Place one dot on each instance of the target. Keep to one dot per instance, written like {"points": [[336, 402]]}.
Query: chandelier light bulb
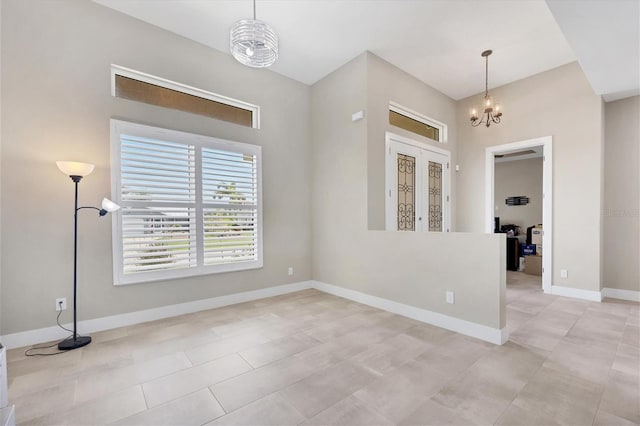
{"points": [[249, 51]]}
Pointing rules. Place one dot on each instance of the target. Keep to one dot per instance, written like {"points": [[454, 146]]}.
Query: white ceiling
{"points": [[605, 35], [437, 41]]}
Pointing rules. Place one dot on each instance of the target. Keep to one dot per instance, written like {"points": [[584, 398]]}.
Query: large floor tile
{"points": [[607, 419], [621, 396], [194, 409], [627, 360], [186, 381], [560, 396], [538, 334], [631, 336], [589, 361], [93, 385], [384, 357], [271, 351], [100, 411], [45, 401], [518, 416], [326, 387], [271, 410], [430, 413], [255, 384], [455, 354], [478, 398], [404, 390], [348, 412], [227, 346]]}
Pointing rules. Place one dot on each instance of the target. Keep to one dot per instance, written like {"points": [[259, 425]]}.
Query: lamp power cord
{"points": [[28, 352]]}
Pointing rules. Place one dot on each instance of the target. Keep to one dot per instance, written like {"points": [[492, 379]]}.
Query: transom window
{"points": [[191, 204], [417, 123]]}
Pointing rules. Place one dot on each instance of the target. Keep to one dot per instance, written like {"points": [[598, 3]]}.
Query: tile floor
{"points": [[316, 359]]}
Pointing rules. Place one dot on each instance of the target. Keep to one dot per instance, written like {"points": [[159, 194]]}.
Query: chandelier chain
{"points": [[486, 76]]}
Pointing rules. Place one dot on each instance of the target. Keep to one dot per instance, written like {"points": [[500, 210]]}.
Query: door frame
{"points": [[390, 210], [547, 196]]}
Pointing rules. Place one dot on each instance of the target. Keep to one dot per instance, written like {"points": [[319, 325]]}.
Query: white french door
{"points": [[417, 186]]}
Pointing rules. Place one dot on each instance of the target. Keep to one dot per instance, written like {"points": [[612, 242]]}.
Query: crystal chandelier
{"points": [[491, 113], [254, 43]]}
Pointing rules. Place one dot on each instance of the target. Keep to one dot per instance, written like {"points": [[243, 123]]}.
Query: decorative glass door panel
{"points": [[406, 192], [435, 196]]}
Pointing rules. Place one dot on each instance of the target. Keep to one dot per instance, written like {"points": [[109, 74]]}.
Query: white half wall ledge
{"points": [[468, 328], [616, 293], [577, 293], [48, 334]]}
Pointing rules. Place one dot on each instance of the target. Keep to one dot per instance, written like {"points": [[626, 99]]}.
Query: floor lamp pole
{"points": [[75, 263], [76, 341]]}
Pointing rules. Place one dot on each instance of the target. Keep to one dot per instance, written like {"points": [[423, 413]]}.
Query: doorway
{"points": [[417, 185], [547, 196]]}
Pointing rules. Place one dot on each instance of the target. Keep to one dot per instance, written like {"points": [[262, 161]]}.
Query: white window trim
{"points": [[183, 88], [442, 128], [391, 220], [119, 127]]}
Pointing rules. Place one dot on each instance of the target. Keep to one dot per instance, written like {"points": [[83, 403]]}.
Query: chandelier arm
{"points": [[254, 10]]}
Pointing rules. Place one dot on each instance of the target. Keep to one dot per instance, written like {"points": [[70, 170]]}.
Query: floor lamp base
{"points": [[71, 343]]}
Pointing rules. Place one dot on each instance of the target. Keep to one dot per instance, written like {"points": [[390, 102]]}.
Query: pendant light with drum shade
{"points": [[254, 43]]}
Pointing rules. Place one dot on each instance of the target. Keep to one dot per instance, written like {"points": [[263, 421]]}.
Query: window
{"points": [[417, 123], [140, 87], [191, 204]]}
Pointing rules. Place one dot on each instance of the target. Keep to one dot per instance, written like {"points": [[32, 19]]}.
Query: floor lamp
{"points": [[76, 171]]}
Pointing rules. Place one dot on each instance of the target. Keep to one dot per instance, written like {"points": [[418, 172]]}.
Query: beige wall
{"points": [[387, 83], [56, 104], [515, 178], [621, 195], [559, 103], [410, 268]]}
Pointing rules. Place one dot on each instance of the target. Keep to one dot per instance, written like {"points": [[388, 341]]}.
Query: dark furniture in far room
{"points": [[513, 253]]}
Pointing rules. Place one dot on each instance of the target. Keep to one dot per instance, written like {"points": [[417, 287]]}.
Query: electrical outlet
{"points": [[290, 270], [450, 297], [564, 273], [61, 304]]}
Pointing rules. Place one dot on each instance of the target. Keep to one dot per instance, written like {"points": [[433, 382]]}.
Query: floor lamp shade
{"points": [[74, 168], [109, 205]]}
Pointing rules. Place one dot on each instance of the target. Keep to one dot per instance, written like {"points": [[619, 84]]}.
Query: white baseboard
{"points": [[482, 332], [617, 293], [31, 337], [468, 328], [594, 296]]}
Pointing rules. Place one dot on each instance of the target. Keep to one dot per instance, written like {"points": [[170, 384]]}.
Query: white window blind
{"points": [[190, 204], [230, 194]]}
